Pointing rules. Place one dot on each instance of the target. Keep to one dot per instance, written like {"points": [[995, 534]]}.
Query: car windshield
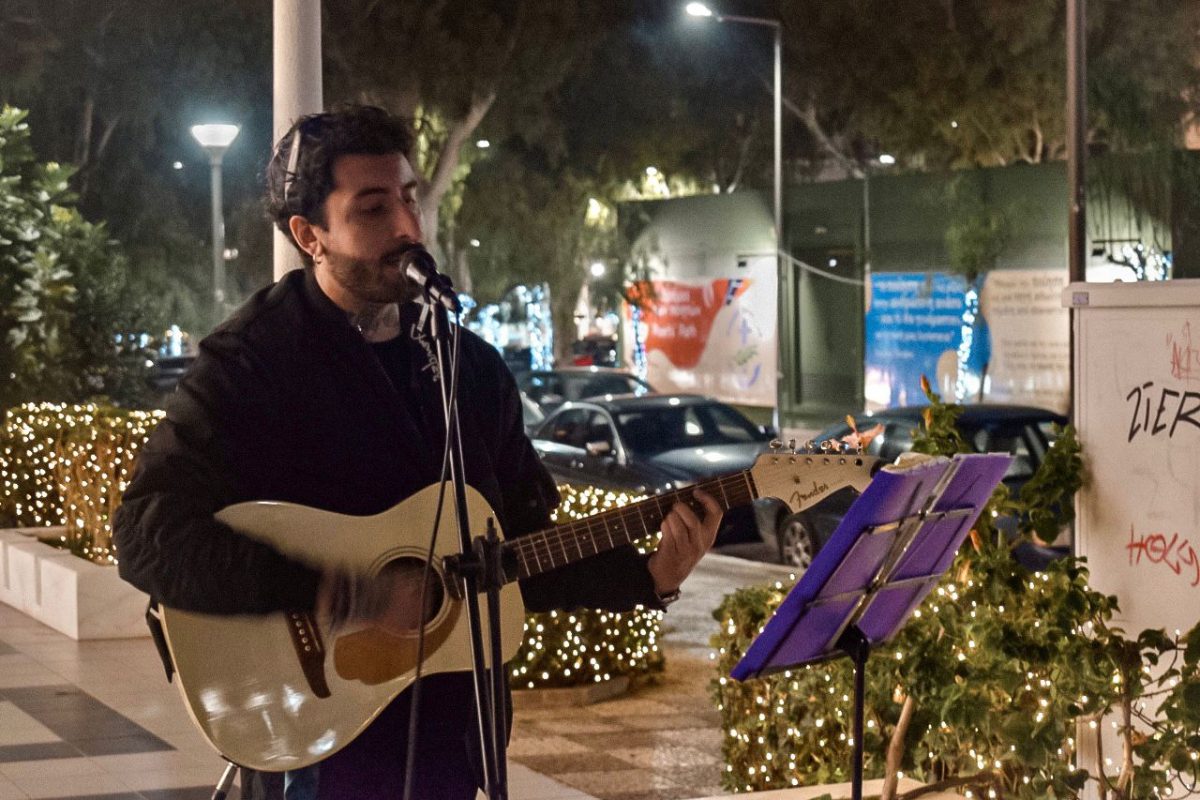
{"points": [[649, 431], [597, 384]]}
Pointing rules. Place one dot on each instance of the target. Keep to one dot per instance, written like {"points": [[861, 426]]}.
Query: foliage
{"points": [[84, 76], [68, 311], [68, 465], [979, 230], [981, 82], [982, 689], [586, 646]]}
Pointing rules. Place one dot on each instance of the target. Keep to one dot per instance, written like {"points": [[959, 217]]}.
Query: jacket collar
{"points": [[348, 344]]}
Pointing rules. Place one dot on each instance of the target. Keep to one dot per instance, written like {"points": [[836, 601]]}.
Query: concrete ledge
{"points": [[841, 791], [570, 696], [67, 593]]}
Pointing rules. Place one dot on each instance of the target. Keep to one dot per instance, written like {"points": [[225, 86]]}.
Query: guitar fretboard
{"points": [[564, 544]]}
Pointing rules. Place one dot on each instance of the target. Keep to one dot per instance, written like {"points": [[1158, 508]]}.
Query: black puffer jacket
{"points": [[287, 402]]}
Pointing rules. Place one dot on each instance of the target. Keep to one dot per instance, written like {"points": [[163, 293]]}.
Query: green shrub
{"points": [[984, 688], [581, 647], [69, 465]]}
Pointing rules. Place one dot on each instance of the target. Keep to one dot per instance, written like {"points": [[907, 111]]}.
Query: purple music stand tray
{"points": [[892, 547]]}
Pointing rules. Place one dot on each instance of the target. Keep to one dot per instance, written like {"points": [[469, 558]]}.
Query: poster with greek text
{"points": [[1002, 339], [714, 337]]}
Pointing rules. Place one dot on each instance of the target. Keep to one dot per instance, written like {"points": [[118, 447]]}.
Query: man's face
{"points": [[370, 217]]}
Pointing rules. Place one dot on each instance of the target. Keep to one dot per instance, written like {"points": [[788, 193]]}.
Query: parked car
{"points": [[1024, 432], [531, 414], [165, 371], [655, 443], [550, 388]]}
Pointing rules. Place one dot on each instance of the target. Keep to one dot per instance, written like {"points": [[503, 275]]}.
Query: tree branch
{"points": [[895, 751], [808, 115], [978, 779]]}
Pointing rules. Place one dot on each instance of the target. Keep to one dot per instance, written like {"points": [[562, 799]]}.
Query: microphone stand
{"points": [[477, 566]]}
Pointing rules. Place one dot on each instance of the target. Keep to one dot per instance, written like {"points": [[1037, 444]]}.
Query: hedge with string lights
{"points": [[985, 688], [69, 465]]}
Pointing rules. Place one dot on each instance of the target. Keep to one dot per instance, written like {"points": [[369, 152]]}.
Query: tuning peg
{"points": [[810, 446], [792, 445], [775, 444], [828, 445]]}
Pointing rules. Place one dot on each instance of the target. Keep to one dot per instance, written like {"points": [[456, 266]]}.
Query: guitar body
{"points": [[275, 692]]}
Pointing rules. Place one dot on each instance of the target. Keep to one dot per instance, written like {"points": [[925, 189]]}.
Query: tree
{"points": [[113, 88], [982, 82], [69, 313], [452, 64]]}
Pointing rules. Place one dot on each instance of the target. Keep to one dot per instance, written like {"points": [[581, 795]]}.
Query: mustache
{"points": [[394, 255]]}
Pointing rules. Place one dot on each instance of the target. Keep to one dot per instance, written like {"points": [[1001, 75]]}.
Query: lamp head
{"points": [[698, 10], [215, 138]]}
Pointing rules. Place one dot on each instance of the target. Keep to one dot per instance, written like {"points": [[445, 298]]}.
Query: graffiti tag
{"points": [[1174, 552]]}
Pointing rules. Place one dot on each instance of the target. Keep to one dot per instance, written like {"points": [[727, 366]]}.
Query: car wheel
{"points": [[797, 545]]}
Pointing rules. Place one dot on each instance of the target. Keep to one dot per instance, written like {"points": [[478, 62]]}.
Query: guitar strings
{"points": [[734, 490]]}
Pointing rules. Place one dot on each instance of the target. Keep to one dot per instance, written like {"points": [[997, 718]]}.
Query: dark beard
{"points": [[375, 282]]}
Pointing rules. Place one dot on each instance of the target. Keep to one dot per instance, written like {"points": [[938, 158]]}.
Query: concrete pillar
{"points": [[297, 49]]}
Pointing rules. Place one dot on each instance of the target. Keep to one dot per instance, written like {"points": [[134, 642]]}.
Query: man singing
{"points": [[320, 391]]}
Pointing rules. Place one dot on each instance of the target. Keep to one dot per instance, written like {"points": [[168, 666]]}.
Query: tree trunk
{"points": [[895, 751], [435, 187]]}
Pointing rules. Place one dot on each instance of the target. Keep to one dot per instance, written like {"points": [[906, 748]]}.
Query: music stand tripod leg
{"points": [[226, 783], [855, 645]]}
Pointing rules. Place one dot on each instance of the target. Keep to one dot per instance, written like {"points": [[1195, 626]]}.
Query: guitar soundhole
{"points": [[373, 655], [406, 574]]}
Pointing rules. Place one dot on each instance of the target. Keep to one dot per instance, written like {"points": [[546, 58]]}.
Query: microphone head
{"points": [[415, 255]]}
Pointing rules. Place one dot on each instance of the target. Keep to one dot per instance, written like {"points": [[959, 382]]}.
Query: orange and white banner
{"points": [[714, 337]]}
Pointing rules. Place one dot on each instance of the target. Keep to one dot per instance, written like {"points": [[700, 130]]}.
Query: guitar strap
{"points": [[154, 622]]}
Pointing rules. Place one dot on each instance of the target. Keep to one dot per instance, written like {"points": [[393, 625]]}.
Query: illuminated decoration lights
{"points": [[541, 326], [639, 341], [537, 331], [966, 386], [69, 465], [998, 687], [1147, 263], [582, 647]]}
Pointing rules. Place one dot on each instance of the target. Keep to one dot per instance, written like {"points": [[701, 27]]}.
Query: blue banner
{"points": [[914, 326]]}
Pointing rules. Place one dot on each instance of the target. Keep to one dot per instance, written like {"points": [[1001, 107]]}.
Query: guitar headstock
{"points": [[801, 479]]}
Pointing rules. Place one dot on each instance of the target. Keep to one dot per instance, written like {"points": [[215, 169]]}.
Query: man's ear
{"points": [[305, 235]]}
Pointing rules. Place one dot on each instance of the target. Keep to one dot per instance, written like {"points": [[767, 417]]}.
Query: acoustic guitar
{"points": [[277, 692]]}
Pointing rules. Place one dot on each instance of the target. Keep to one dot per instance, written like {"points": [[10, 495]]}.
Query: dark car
{"points": [[1024, 432], [655, 443], [550, 388], [531, 414], [165, 372]]}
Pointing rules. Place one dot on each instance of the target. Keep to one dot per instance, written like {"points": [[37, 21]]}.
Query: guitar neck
{"points": [[564, 544]]}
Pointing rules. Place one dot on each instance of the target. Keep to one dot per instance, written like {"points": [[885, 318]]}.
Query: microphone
{"points": [[421, 269]]}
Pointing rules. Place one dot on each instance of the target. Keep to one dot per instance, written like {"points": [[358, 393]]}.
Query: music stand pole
{"points": [[854, 644]]}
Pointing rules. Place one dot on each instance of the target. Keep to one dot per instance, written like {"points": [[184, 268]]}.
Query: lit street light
{"points": [[215, 139], [702, 10]]}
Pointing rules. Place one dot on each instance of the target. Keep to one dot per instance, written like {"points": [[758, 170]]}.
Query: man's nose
{"points": [[406, 223]]}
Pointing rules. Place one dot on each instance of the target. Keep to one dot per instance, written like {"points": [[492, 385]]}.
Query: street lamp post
{"points": [[215, 139], [702, 10]]}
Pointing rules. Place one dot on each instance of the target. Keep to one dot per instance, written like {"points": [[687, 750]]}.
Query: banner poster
{"points": [[1002, 340], [714, 337]]}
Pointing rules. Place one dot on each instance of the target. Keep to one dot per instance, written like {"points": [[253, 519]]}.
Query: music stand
{"points": [[892, 547]]}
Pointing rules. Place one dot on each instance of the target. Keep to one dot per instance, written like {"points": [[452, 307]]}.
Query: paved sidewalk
{"points": [[98, 720]]}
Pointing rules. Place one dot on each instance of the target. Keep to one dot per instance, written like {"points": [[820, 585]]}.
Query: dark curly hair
{"points": [[300, 175]]}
